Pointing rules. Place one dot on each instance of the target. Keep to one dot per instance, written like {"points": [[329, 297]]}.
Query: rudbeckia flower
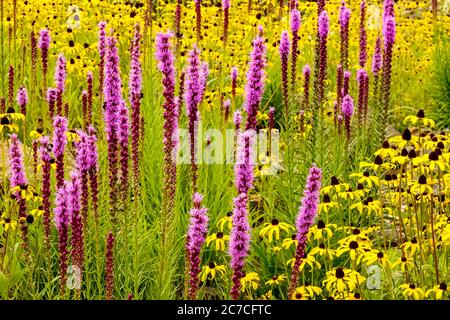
{"points": [[219, 238], [226, 221], [366, 178], [439, 292], [321, 230], [276, 280], [411, 291], [250, 281], [341, 280], [211, 270], [274, 228], [323, 251]]}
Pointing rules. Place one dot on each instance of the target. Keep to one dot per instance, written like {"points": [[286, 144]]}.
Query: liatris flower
{"points": [[102, 53], [284, 56], [198, 18], [112, 92], [11, 85], [254, 87], [226, 108], [346, 85], [51, 101], [377, 60], [339, 84], [93, 170], [198, 228], [363, 96], [320, 6], [306, 79], [84, 98], [347, 112], [193, 95], [74, 193], [46, 187], [295, 22], [83, 163], [388, 10], [305, 219], [18, 179], [389, 40], [243, 169], [22, 100], [59, 145], [226, 9], [362, 35], [134, 96], [344, 18], [62, 222], [165, 59], [90, 88], [339, 120], [237, 119], [123, 137], [2, 105], [44, 45], [177, 22], [323, 34], [271, 120], [109, 266], [60, 79], [233, 75], [33, 48]]}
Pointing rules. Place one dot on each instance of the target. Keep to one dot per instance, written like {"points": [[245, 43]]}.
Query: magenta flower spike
{"points": [[134, 96], [59, 145], [60, 79], [198, 18], [363, 95], [123, 139], [11, 76], [346, 85], [306, 85], [305, 219], [295, 22], [197, 230], [347, 112], [344, 19], [339, 85], [226, 13], [377, 60], [93, 170], [22, 100], [76, 221], [102, 53], [90, 88], [254, 87], [46, 158], [226, 108], [109, 266], [51, 101], [44, 45], [233, 75], [284, 57], [362, 35], [323, 35], [237, 119]]}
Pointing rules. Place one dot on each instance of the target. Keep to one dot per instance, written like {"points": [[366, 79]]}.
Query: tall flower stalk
{"points": [[254, 87], [339, 85], [284, 57], [44, 45], [123, 131], [377, 65], [344, 19], [362, 35], [240, 232], [90, 89], [59, 145], [51, 101], [46, 158], [60, 79], [226, 13], [306, 86], [22, 100], [109, 266], [198, 19], [363, 95], [305, 219], [323, 35], [295, 22], [76, 221], [198, 228], [102, 53], [165, 58]]}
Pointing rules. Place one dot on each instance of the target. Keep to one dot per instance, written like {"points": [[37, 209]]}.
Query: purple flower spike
{"points": [[284, 56], [59, 145], [347, 112], [305, 219], [60, 79], [244, 162], [22, 100], [295, 22], [44, 45], [377, 60], [233, 75], [362, 35], [324, 24]]}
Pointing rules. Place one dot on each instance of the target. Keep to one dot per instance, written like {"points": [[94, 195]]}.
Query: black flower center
{"points": [[422, 179], [365, 173], [412, 154], [275, 222], [356, 231], [353, 245], [275, 278], [340, 274], [334, 181], [4, 121], [298, 295], [326, 199], [443, 286], [404, 259], [406, 134], [320, 224], [380, 255], [386, 144], [421, 114], [229, 213], [212, 265], [433, 156], [219, 235], [412, 286], [378, 161], [404, 152]]}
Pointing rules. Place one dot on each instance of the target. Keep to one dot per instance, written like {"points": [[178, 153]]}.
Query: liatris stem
{"points": [[33, 48], [344, 19], [22, 100], [305, 219], [177, 22], [90, 89], [240, 232], [198, 228], [123, 139], [11, 86], [19, 181], [323, 34], [112, 92], [44, 45], [295, 22], [93, 171], [362, 35], [389, 40], [306, 84], [109, 266], [377, 64], [346, 85], [51, 101], [226, 110], [233, 75], [198, 19], [62, 221], [134, 96], [3, 105], [284, 57], [102, 53], [83, 164], [60, 79], [59, 144], [226, 12], [254, 87], [165, 58], [339, 85], [46, 187], [194, 86], [363, 82], [347, 112], [77, 243]]}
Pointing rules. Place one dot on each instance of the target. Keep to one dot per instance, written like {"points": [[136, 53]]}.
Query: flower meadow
{"points": [[257, 150]]}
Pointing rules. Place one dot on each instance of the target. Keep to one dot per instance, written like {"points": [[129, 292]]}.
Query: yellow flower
{"points": [[420, 187], [219, 238], [386, 151], [250, 281], [300, 294], [226, 221], [406, 263], [438, 291], [321, 230], [340, 280], [369, 205], [290, 241], [8, 223], [355, 250], [309, 260], [25, 191], [210, 271], [326, 204], [411, 291], [375, 256], [419, 120], [274, 228], [323, 251], [411, 247], [365, 178], [276, 280]]}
